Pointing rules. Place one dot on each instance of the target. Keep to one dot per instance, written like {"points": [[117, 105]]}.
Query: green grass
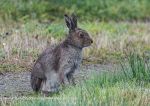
{"points": [[120, 87], [22, 10]]}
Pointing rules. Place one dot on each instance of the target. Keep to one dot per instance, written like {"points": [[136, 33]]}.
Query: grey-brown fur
{"points": [[57, 64]]}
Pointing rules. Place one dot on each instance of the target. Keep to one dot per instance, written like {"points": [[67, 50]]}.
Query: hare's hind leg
{"points": [[51, 84], [36, 83]]}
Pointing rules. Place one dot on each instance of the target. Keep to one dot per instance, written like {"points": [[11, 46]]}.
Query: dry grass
{"points": [[20, 44]]}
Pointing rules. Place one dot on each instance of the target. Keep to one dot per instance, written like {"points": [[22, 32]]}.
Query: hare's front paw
{"points": [[66, 81], [71, 79]]}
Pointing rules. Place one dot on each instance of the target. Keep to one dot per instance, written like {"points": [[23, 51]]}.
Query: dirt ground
{"points": [[18, 83]]}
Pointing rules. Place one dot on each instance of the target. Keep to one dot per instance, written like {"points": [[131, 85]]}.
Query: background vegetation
{"points": [[22, 43], [86, 9]]}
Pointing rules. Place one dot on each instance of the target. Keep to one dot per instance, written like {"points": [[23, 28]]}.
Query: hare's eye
{"points": [[81, 35]]}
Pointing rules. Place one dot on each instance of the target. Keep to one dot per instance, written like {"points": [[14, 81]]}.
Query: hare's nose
{"points": [[91, 41]]}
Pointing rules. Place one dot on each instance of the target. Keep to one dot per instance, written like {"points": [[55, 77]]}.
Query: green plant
{"points": [[53, 10], [138, 68]]}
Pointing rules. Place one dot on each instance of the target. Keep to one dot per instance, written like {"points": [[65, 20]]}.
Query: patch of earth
{"points": [[18, 84]]}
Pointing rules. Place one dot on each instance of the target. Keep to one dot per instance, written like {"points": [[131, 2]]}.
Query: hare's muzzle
{"points": [[88, 42], [91, 41]]}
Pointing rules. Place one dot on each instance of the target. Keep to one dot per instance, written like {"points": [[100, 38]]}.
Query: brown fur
{"points": [[58, 63], [57, 54]]}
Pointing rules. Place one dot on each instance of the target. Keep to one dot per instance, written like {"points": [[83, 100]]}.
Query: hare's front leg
{"points": [[66, 74], [63, 78], [71, 78]]}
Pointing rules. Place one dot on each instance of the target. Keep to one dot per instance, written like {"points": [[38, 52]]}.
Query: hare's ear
{"points": [[69, 22], [74, 20]]}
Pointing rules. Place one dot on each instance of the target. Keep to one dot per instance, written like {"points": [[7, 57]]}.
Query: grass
{"points": [[127, 86], [23, 10], [21, 43], [29, 26]]}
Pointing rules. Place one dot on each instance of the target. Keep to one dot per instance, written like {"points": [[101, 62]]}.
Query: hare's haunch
{"points": [[57, 64]]}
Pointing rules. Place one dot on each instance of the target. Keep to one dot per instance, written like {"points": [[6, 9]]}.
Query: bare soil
{"points": [[18, 83]]}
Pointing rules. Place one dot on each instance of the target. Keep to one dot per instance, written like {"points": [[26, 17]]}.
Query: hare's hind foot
{"points": [[49, 87], [47, 93]]}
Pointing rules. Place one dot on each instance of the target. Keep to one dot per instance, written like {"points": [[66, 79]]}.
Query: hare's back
{"points": [[47, 55], [43, 62]]}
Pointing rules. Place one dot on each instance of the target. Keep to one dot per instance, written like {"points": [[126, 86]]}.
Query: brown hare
{"points": [[56, 65]]}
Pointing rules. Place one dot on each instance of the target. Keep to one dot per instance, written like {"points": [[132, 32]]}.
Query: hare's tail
{"points": [[36, 83]]}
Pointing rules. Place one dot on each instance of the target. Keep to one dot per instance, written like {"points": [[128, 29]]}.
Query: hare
{"points": [[57, 64]]}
